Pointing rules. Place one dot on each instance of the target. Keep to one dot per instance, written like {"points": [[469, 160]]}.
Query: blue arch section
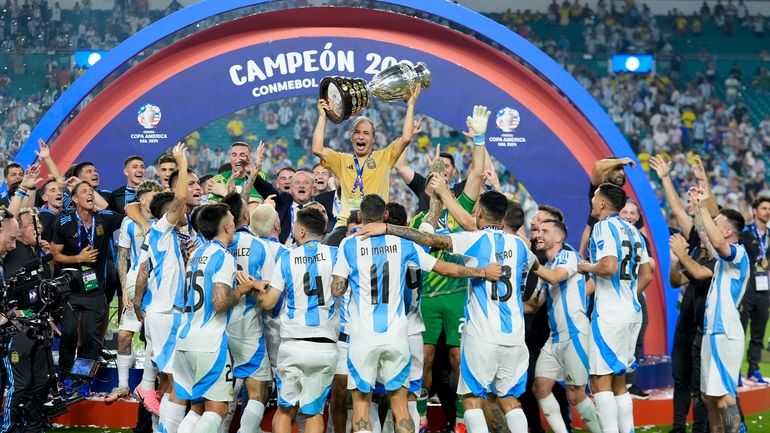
{"points": [[484, 26]]}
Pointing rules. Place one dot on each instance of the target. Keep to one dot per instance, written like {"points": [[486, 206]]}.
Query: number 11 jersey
{"points": [[376, 270], [615, 295], [493, 310]]}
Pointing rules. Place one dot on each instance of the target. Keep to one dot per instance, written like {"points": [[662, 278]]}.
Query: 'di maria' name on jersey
{"points": [[386, 249]]}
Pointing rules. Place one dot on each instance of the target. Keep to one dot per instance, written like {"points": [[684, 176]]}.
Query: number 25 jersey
{"points": [[493, 310], [615, 295], [376, 271]]}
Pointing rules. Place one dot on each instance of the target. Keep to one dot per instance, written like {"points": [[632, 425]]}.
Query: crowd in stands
{"points": [[668, 112]]}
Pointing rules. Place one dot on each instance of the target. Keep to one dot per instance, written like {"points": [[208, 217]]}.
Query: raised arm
{"points": [[255, 169], [320, 130], [703, 183], [604, 166], [465, 219], [178, 206], [678, 245], [45, 154], [663, 168], [25, 193], [477, 128], [408, 132], [405, 172], [703, 218]]}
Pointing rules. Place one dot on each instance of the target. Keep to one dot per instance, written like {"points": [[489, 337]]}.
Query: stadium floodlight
{"points": [[87, 58], [633, 63]]}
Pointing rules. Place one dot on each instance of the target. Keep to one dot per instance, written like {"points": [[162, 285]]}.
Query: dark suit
{"points": [[283, 205]]}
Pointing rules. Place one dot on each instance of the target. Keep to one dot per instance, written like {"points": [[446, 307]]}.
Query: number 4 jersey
{"points": [[493, 311], [376, 270], [616, 300]]}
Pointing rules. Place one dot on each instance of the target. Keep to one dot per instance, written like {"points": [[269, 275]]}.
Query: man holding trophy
{"points": [[364, 171]]}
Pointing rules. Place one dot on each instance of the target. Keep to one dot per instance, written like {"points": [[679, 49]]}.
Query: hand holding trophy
{"points": [[347, 96]]}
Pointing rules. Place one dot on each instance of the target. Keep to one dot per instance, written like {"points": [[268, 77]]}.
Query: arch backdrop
{"points": [[548, 130]]}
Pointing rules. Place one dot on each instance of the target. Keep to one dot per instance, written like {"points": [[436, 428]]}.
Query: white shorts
{"points": [[271, 332], [204, 375], [129, 321], [487, 368], [389, 362], [566, 360], [305, 374], [160, 332], [250, 359], [720, 365], [611, 347], [342, 358], [416, 365]]}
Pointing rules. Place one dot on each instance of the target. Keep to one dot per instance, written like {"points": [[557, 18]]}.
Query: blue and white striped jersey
{"points": [[276, 248], [304, 276], [165, 283], [566, 300], [376, 272], [725, 293], [253, 256], [132, 238], [615, 296], [493, 310], [204, 328], [412, 296]]}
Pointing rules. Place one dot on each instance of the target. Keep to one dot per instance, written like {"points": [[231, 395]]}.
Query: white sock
{"points": [[625, 413], [163, 412], [252, 416], [208, 423], [552, 412], [174, 416], [607, 409], [224, 426], [188, 423], [155, 421], [124, 363], [374, 417], [475, 422], [516, 420], [587, 412], [412, 407], [150, 373]]}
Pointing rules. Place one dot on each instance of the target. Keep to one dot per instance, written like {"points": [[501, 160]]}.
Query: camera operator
{"points": [[9, 230], [82, 240], [27, 358]]}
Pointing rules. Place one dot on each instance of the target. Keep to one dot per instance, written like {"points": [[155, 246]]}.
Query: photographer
{"points": [[81, 240], [27, 358]]}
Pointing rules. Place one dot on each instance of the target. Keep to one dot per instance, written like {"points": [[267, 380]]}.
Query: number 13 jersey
{"points": [[493, 311], [615, 295], [376, 270]]}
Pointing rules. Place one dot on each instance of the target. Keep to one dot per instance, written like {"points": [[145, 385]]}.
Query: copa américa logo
{"points": [[148, 116], [507, 119]]}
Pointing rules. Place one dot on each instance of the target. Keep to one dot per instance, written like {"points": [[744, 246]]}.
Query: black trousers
{"points": [[754, 308], [685, 367], [639, 350], [335, 237], [88, 311], [29, 379]]}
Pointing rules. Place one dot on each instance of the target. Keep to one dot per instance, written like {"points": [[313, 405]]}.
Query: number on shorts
{"points": [[376, 287], [319, 288], [629, 268], [192, 280]]}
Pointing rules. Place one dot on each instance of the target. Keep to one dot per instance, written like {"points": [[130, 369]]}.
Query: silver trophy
{"points": [[347, 96]]}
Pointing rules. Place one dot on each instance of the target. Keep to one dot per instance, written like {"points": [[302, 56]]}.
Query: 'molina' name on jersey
{"points": [[386, 249]]}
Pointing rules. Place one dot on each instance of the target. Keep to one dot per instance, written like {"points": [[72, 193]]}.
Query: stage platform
{"points": [[657, 410]]}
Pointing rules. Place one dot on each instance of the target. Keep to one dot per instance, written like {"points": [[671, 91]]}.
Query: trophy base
{"points": [[346, 97]]}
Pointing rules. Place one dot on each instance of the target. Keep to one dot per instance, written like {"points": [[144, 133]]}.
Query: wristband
{"points": [[20, 194], [479, 139]]}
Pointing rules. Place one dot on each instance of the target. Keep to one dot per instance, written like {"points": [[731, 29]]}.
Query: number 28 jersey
{"points": [[376, 270], [615, 295], [493, 310]]}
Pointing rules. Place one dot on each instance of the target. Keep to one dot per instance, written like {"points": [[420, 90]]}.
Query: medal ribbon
{"points": [[359, 183], [762, 241]]}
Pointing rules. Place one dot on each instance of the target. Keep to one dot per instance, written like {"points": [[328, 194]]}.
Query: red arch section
{"points": [[514, 78]]}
